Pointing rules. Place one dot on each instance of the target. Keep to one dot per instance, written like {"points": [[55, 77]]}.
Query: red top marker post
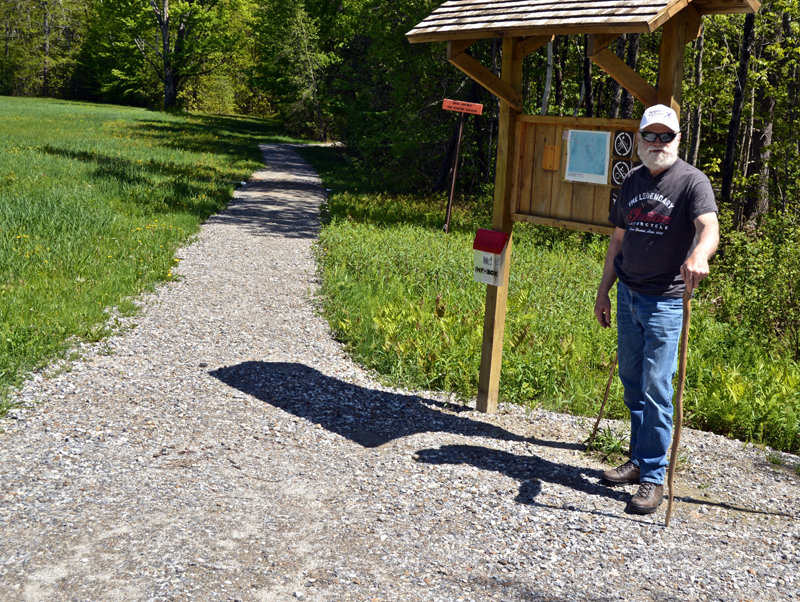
{"points": [[462, 107]]}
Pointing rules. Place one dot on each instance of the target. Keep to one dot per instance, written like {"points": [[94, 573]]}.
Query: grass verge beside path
{"points": [[94, 201], [399, 293]]}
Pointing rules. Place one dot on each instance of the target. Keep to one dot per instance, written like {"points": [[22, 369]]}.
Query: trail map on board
{"points": [[587, 156]]}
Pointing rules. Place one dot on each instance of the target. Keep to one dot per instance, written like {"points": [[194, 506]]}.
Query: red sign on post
{"points": [[472, 108]]}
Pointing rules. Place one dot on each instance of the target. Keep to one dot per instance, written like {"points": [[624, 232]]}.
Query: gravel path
{"points": [[224, 448]]}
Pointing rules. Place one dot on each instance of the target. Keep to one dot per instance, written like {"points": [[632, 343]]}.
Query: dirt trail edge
{"points": [[224, 448]]}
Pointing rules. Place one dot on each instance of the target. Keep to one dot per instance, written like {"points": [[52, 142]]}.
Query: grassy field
{"points": [[94, 201], [400, 294]]}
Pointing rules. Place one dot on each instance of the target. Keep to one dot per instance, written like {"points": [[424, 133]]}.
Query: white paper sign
{"points": [[588, 156]]}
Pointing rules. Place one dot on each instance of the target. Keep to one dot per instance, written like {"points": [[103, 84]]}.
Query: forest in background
{"points": [[343, 70]]}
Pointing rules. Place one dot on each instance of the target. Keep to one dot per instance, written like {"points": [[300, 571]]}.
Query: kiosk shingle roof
{"points": [[474, 19]]}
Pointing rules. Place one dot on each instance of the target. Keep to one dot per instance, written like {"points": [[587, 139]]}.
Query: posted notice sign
{"points": [[472, 108], [588, 156]]}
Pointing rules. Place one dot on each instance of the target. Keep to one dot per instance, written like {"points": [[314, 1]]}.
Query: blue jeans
{"points": [[648, 332]]}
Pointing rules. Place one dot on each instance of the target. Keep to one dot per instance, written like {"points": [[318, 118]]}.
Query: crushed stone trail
{"points": [[223, 447]]}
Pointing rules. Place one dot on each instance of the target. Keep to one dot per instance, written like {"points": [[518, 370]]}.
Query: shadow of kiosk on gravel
{"points": [[369, 417], [373, 418]]}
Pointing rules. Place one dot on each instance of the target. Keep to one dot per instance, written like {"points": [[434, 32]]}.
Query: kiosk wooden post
{"points": [[494, 321], [530, 184]]}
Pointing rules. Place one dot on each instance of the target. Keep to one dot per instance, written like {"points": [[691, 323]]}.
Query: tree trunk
{"points": [[580, 100], [758, 198], [736, 111], [47, 24], [560, 49], [587, 77], [496, 110], [616, 89], [744, 152], [632, 60], [548, 79], [694, 146], [599, 97], [790, 120]]}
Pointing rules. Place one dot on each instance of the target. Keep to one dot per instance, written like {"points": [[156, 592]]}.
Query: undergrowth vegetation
{"points": [[400, 294], [94, 202]]}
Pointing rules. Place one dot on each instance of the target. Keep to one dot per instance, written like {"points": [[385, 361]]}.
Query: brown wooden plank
{"points": [[527, 171], [600, 212], [560, 190], [456, 47], [542, 179], [560, 223], [531, 44], [670, 79], [694, 24], [494, 321], [519, 168], [488, 80], [583, 203], [627, 77], [599, 41], [666, 15], [597, 122]]}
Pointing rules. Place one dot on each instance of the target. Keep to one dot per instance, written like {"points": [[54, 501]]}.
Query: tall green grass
{"points": [[94, 201], [400, 294]]}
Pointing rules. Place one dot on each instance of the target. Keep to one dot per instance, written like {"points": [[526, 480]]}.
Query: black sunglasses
{"points": [[664, 137]]}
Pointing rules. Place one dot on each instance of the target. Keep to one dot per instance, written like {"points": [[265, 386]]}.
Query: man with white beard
{"points": [[666, 231]]}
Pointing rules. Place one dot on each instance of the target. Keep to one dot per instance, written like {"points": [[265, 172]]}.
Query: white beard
{"points": [[660, 160]]}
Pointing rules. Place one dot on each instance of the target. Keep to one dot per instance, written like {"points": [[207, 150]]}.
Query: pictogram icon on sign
{"points": [[619, 170], [623, 144]]}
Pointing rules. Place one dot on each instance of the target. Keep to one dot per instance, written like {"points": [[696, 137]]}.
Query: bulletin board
{"points": [[552, 152]]}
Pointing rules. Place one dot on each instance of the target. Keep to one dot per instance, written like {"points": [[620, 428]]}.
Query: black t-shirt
{"points": [[658, 217]]}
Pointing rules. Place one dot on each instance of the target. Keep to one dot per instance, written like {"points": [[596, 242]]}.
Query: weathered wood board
{"points": [[540, 192]]}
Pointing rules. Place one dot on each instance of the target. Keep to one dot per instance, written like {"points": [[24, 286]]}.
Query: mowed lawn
{"points": [[94, 201]]}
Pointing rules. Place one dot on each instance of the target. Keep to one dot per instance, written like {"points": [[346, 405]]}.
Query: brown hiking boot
{"points": [[647, 499], [622, 475]]}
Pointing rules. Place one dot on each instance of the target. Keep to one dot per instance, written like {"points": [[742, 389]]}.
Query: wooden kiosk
{"points": [[531, 183]]}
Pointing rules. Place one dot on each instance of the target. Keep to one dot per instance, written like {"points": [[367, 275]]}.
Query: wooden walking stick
{"points": [[605, 399], [676, 438]]}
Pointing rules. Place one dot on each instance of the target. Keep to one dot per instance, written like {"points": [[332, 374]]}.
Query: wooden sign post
{"points": [[463, 108], [533, 180]]}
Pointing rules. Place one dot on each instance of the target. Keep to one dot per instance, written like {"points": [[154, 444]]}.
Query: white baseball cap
{"points": [[660, 114]]}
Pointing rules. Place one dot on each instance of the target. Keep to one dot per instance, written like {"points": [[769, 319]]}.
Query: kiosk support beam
{"points": [[494, 322], [496, 85], [670, 71]]}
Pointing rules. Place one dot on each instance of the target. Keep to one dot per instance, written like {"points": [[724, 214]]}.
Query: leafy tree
{"points": [[293, 64], [177, 40], [40, 46]]}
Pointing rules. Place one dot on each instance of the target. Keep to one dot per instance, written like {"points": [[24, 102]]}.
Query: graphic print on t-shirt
{"points": [[649, 213]]}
